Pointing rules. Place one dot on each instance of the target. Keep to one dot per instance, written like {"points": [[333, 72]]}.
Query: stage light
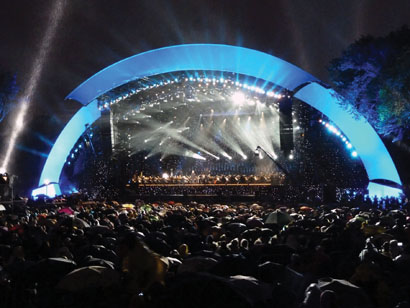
{"points": [[349, 145], [238, 98], [2, 170], [354, 154], [165, 176], [197, 156], [291, 156], [244, 157]]}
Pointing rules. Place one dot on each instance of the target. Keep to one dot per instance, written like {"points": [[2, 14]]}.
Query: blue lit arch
{"points": [[224, 58]]}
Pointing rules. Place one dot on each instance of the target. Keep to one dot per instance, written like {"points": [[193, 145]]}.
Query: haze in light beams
{"points": [[46, 44]]}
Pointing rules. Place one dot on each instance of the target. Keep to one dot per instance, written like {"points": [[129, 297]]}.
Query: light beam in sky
{"points": [[55, 18]]}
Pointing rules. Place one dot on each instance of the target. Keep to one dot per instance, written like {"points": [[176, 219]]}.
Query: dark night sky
{"points": [[96, 33]]}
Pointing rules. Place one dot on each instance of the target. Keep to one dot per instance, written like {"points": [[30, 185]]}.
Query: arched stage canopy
{"points": [[223, 58]]}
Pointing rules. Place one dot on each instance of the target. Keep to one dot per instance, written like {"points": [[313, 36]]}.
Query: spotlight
{"points": [[165, 176], [238, 98], [291, 156], [354, 154], [2, 170], [349, 145], [197, 156]]}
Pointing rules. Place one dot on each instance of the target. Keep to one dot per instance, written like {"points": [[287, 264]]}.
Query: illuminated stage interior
{"points": [[187, 124]]}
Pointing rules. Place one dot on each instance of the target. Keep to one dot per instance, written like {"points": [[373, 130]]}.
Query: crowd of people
{"points": [[78, 253]]}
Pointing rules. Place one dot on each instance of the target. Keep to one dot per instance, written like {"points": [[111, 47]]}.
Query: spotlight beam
{"points": [[55, 18]]}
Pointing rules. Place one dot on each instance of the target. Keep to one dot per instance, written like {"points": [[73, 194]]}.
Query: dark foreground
{"points": [[73, 253]]}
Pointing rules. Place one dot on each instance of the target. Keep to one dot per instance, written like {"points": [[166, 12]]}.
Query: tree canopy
{"points": [[373, 77]]}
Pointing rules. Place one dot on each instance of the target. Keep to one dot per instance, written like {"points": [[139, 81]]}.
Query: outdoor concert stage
{"points": [[205, 109]]}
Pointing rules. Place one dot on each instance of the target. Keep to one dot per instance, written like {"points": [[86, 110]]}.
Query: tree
{"points": [[8, 92], [373, 78]]}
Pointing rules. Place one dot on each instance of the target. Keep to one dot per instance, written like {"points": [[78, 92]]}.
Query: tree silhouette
{"points": [[373, 77]]}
